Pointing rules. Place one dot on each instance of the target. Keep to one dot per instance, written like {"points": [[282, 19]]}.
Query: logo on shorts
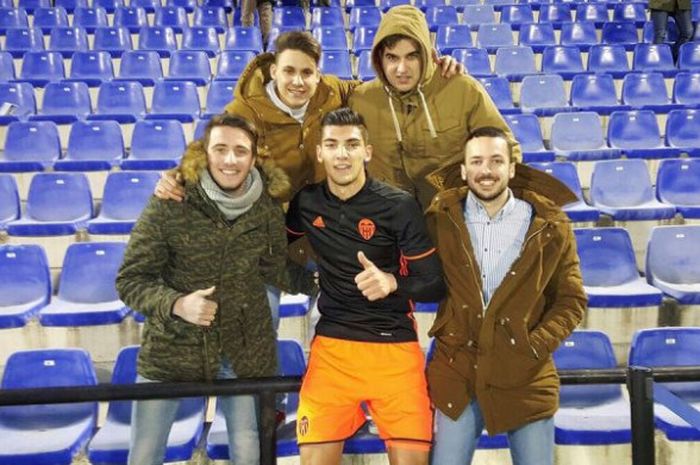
{"points": [[303, 426], [318, 222], [366, 228]]}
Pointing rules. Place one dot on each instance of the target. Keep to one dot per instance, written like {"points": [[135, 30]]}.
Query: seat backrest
{"points": [[650, 57], [121, 97], [673, 254], [494, 35], [171, 16], [683, 128], [577, 131], [475, 60], [59, 197], [527, 131], [210, 16], [20, 94], [565, 171], [686, 88], [555, 13], [95, 140], [243, 38], [289, 16], [597, 12], [232, 63], [576, 33], [157, 139], [25, 39], [175, 97], [219, 95], [48, 18], [479, 14], [337, 63], [189, 63], [516, 59], [32, 141], [201, 38], [24, 275], [621, 183], [689, 56], [607, 256], [499, 91], [42, 65], [629, 12], [365, 16], [640, 89], [605, 58], [68, 39], [560, 58], [62, 98], [90, 18], [112, 39], [327, 16], [537, 34], [291, 363], [126, 193], [132, 18], [9, 199], [92, 64], [140, 63], [90, 271], [678, 181], [619, 32], [517, 14], [633, 129], [157, 38], [542, 91], [593, 89]]}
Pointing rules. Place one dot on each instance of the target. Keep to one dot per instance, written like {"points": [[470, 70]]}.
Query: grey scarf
{"points": [[233, 206]]}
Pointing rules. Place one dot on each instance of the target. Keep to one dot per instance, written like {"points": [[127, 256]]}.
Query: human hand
{"points": [[374, 283], [169, 186], [195, 308], [448, 65]]}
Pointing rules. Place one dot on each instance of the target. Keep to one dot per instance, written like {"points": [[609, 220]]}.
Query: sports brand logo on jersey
{"points": [[366, 228], [318, 222], [303, 426]]}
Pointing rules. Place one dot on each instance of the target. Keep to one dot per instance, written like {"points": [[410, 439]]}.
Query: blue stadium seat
{"points": [[424, 5], [86, 291], [150, 6], [449, 38], [671, 32], [90, 19], [219, 95], [199, 128], [579, 137], [620, 33], [499, 91], [188, 5], [111, 443], [71, 5], [672, 347], [683, 131], [141, 65], [365, 71], [636, 134], [646, 90], [201, 38], [48, 18], [656, 58], [57, 204], [686, 88], [30, 146], [368, 16], [609, 269], [438, 16], [125, 195], [40, 68], [93, 146], [25, 283], [678, 184], [227, 5], [158, 39], [555, 13], [47, 434], [175, 100], [243, 39], [19, 41], [30, 5], [517, 15], [635, 12], [132, 18], [592, 414], [289, 16], [155, 144], [595, 92], [363, 38], [110, 6], [493, 36], [114, 40], [232, 63], [9, 200], [537, 35], [332, 39], [579, 34], [461, 4], [562, 60], [65, 102], [350, 4], [475, 60], [622, 189], [275, 32], [190, 65], [611, 59], [325, 17], [593, 12], [386, 5], [543, 95], [120, 100], [565, 171], [13, 18], [689, 56], [527, 131], [68, 40], [475, 15], [20, 94], [211, 16], [172, 17], [91, 67], [337, 63], [515, 62], [7, 67]]}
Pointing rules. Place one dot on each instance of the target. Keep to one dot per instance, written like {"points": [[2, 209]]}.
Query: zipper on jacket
{"points": [[471, 263]]}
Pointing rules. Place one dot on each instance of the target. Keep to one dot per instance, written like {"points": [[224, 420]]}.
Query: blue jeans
{"points": [[455, 441], [273, 298], [684, 22], [151, 421]]}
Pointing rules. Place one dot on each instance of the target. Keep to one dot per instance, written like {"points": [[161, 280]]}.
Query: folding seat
{"points": [[461, 4], [113, 40], [190, 65], [25, 284], [68, 40], [595, 92], [544, 95], [141, 65], [579, 136], [149, 6], [337, 63], [199, 127], [515, 62], [53, 433], [562, 60], [367, 16], [110, 6], [90, 19], [646, 90], [635, 12], [326, 17], [653, 57], [91, 67], [565, 171], [210, 16], [475, 60], [158, 39], [20, 94], [611, 59], [155, 144], [449, 38], [120, 100], [386, 5], [175, 100], [132, 18], [673, 260], [592, 12], [172, 17], [331, 38], [7, 4], [499, 91], [686, 88], [126, 193], [620, 33], [517, 15], [20, 41], [678, 184], [689, 57], [227, 5], [365, 70], [92, 146], [232, 63], [9, 201], [636, 134], [41, 67], [30, 5], [243, 39], [424, 5], [291, 16], [527, 131], [439, 16], [555, 13], [49, 18], [201, 38], [683, 131], [13, 18], [364, 36], [65, 102], [579, 34], [7, 67], [219, 95], [275, 32], [71, 5], [537, 35], [30, 146], [188, 5], [493, 36], [476, 15], [111, 443], [350, 4]]}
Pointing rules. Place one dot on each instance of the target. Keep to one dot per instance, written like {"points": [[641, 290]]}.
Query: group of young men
{"points": [[405, 188]]}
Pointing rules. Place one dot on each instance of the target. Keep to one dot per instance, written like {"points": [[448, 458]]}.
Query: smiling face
{"points": [[402, 65], [296, 76], [344, 153], [230, 157], [487, 168]]}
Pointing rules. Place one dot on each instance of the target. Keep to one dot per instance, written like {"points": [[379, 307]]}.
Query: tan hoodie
{"points": [[420, 131]]}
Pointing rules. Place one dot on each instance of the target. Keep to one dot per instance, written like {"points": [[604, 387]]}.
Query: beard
{"points": [[475, 189]]}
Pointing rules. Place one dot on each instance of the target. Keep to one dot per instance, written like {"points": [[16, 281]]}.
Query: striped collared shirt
{"points": [[496, 241]]}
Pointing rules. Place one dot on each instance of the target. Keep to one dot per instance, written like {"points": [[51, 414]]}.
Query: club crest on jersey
{"points": [[366, 228], [303, 426]]}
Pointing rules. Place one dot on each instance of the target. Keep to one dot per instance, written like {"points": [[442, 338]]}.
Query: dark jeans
{"points": [[685, 28]]}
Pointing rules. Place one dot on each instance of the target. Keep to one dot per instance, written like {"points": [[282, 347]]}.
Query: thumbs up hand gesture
{"points": [[374, 283], [195, 308]]}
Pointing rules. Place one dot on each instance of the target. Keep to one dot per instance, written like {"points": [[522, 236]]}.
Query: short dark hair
{"points": [[346, 117], [301, 41], [390, 41], [493, 132], [232, 121]]}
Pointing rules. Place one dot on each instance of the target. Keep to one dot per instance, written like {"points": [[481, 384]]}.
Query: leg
{"points": [[247, 12], [685, 30], [533, 443], [455, 440], [401, 455], [329, 453], [659, 18], [265, 12]]}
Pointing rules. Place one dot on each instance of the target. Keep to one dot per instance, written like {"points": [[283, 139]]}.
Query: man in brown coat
{"points": [[514, 293]]}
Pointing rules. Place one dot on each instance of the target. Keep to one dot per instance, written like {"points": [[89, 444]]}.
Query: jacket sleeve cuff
{"points": [[165, 309]]}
